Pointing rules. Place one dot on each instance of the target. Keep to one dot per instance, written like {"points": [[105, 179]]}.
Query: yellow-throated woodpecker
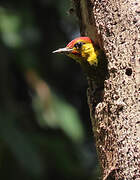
{"points": [[90, 57], [81, 49]]}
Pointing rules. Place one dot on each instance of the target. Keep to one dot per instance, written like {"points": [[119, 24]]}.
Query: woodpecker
{"points": [[89, 56], [81, 49]]}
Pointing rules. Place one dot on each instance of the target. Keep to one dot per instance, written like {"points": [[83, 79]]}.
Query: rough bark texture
{"points": [[115, 26]]}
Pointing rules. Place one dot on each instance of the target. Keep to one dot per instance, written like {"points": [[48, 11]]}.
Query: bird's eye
{"points": [[78, 45]]}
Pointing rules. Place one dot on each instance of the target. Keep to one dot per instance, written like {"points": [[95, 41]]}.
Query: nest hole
{"points": [[128, 72]]}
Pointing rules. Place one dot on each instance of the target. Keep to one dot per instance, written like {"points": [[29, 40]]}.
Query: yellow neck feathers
{"points": [[86, 53], [89, 53]]}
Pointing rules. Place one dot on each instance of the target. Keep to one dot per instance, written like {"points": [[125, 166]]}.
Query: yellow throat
{"points": [[87, 53]]}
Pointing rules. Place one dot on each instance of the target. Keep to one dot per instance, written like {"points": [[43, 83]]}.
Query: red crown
{"points": [[83, 39]]}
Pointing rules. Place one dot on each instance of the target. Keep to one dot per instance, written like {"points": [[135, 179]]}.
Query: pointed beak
{"points": [[63, 50]]}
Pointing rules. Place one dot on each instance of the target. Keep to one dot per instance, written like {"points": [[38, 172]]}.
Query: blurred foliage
{"points": [[45, 129]]}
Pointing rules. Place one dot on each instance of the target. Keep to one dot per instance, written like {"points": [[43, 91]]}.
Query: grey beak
{"points": [[63, 50]]}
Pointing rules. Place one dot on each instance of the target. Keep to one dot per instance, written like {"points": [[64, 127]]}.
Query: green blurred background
{"points": [[45, 128]]}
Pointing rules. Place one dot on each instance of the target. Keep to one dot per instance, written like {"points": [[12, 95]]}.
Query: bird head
{"points": [[82, 50]]}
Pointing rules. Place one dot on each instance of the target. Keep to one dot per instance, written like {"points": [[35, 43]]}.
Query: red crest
{"points": [[83, 39]]}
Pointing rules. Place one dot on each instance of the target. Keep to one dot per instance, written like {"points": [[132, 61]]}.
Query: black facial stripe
{"points": [[77, 53]]}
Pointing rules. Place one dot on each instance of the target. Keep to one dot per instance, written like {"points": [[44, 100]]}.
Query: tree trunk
{"points": [[114, 25]]}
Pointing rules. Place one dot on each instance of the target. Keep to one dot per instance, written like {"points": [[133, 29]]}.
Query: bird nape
{"points": [[90, 57]]}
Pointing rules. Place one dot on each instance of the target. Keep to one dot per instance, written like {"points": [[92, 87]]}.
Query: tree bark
{"points": [[114, 25]]}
